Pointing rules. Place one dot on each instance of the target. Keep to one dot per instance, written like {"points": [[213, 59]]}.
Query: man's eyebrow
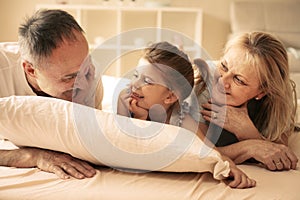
{"points": [[71, 75]]}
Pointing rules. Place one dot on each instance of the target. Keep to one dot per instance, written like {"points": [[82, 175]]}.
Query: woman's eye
{"points": [[239, 81], [223, 67]]}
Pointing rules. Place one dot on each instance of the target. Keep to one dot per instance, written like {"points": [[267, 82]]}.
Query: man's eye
{"points": [[69, 78]]}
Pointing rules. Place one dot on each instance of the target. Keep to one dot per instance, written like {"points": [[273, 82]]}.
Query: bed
{"points": [[113, 183]]}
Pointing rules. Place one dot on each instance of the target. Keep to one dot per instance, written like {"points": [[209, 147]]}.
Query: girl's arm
{"points": [[238, 178], [123, 103]]}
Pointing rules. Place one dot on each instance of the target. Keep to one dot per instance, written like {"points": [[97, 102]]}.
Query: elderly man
{"points": [[51, 59]]}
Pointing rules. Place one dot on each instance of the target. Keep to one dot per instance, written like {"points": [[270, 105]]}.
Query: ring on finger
{"points": [[214, 115], [278, 163]]}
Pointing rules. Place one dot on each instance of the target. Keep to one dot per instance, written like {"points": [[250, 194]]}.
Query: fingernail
{"points": [[80, 176]]}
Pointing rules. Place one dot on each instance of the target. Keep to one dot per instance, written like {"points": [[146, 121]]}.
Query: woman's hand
{"points": [[272, 155], [61, 164], [238, 179], [234, 119]]}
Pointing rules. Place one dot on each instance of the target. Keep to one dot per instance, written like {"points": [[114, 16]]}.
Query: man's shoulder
{"points": [[11, 47], [9, 54]]}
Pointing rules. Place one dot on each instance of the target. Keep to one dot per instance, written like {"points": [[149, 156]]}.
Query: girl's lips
{"points": [[135, 96]]}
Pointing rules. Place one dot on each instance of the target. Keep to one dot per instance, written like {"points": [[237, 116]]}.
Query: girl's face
{"points": [[148, 86], [235, 81]]}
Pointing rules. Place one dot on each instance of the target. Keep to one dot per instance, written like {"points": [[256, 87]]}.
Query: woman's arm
{"points": [[274, 156], [251, 145], [61, 164]]}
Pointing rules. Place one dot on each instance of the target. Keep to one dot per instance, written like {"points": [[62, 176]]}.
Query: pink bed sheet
{"points": [[113, 184]]}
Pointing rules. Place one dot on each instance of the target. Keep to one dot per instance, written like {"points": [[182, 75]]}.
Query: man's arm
{"points": [[61, 164]]}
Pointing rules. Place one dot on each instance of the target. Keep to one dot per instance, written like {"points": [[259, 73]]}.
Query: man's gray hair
{"points": [[43, 32]]}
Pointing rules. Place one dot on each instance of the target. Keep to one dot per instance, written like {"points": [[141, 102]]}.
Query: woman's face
{"points": [[148, 86], [235, 80]]}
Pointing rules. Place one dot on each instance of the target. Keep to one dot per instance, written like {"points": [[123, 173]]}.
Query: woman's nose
{"points": [[225, 80]]}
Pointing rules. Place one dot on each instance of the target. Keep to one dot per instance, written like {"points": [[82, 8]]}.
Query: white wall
{"points": [[216, 26]]}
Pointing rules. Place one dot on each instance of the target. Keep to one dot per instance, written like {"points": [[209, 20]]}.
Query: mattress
{"points": [[109, 183]]}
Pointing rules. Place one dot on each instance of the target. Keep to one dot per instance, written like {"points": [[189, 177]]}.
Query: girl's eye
{"points": [[148, 81], [135, 75]]}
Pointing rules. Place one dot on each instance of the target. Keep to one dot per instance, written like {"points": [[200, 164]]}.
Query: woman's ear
{"points": [[171, 98], [260, 95], [28, 69]]}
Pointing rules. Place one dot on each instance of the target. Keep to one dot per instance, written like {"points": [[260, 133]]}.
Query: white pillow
{"points": [[104, 138]]}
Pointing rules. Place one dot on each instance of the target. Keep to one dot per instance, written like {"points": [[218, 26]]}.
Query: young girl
{"points": [[162, 81]]}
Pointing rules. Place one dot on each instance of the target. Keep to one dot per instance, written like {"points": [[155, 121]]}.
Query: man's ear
{"points": [[171, 98], [28, 69]]}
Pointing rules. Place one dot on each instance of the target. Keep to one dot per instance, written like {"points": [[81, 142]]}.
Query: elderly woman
{"points": [[254, 100]]}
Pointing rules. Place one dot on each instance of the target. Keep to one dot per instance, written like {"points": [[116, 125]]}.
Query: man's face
{"points": [[58, 75]]}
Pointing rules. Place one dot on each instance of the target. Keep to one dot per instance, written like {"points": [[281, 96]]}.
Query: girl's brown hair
{"points": [[175, 64]]}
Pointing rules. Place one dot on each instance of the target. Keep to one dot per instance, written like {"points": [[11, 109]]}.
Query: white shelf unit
{"points": [[109, 24]]}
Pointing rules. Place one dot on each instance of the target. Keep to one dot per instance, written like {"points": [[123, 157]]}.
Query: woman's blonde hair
{"points": [[275, 119]]}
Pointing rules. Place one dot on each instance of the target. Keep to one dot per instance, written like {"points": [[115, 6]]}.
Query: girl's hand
{"points": [[139, 113], [237, 178]]}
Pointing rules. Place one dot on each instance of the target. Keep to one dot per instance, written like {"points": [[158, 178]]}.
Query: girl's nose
{"points": [[136, 84]]}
